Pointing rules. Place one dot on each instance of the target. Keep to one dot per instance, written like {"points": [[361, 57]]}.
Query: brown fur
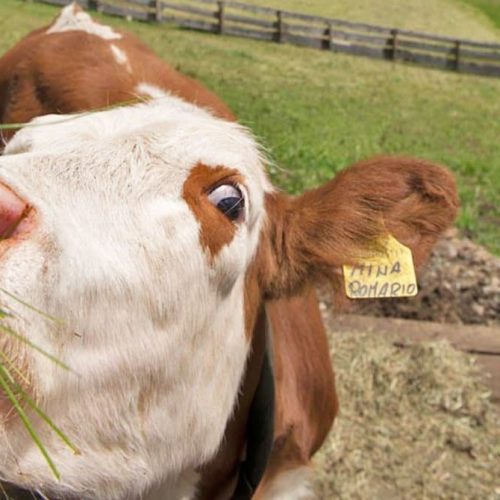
{"points": [[75, 71], [305, 237], [216, 230], [306, 400], [313, 235]]}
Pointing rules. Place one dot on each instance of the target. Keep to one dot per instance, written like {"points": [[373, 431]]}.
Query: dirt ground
{"points": [[416, 422], [459, 284]]}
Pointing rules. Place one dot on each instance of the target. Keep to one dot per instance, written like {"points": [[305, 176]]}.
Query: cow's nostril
{"points": [[12, 211]]}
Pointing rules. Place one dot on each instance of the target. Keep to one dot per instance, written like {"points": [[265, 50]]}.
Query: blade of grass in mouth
{"points": [[27, 398], [16, 395], [28, 342], [29, 306], [6, 386], [9, 365], [65, 118]]}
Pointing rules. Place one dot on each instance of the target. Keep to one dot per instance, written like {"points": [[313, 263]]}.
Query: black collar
{"points": [[11, 492], [260, 428]]}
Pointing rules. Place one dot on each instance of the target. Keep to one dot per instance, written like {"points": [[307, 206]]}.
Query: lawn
{"points": [[317, 112], [491, 8], [445, 17]]}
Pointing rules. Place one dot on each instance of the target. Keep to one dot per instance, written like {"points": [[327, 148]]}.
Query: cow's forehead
{"points": [[178, 134]]}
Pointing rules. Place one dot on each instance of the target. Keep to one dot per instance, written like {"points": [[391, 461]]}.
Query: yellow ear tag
{"points": [[384, 273]]}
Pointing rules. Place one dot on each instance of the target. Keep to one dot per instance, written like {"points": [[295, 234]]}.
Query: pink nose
{"points": [[12, 211]]}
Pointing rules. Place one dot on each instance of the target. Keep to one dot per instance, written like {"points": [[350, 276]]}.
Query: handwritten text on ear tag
{"points": [[383, 273]]}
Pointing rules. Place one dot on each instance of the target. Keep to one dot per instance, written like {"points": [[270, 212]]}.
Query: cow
{"points": [[182, 281]]}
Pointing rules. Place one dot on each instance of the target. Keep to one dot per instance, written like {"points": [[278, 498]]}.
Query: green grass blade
{"points": [[63, 437], [11, 366], [4, 383], [29, 306], [4, 314], [26, 397], [73, 116], [28, 342]]}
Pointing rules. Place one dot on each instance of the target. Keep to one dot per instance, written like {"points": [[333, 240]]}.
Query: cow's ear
{"points": [[313, 235]]}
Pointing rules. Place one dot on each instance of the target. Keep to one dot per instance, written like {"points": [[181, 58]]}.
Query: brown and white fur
{"points": [[157, 292]]}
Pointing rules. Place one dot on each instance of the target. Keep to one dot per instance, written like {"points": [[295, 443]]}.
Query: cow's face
{"points": [[144, 222], [153, 236]]}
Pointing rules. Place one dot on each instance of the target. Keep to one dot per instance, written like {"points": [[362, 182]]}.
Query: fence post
{"points": [[457, 55], [394, 44], [220, 17], [280, 24], [158, 11], [328, 42]]}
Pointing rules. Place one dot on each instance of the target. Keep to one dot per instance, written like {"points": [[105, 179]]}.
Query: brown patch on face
{"points": [[216, 229]]}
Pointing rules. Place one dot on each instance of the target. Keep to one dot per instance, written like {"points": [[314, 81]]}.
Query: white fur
{"points": [[152, 328], [72, 18], [120, 57], [294, 484], [186, 489], [149, 90]]}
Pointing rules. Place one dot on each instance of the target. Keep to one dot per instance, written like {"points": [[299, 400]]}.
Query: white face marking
{"points": [[120, 57], [149, 90], [72, 18], [293, 484], [160, 347]]}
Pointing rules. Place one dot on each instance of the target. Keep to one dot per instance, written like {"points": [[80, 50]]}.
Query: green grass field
{"points": [[491, 8], [317, 112], [445, 17]]}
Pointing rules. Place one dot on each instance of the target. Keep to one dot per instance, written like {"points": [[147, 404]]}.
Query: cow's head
{"points": [[153, 236]]}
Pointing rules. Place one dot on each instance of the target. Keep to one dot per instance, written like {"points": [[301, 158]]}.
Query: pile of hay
{"points": [[414, 423]]}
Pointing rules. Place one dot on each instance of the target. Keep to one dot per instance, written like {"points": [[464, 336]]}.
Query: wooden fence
{"points": [[263, 23]]}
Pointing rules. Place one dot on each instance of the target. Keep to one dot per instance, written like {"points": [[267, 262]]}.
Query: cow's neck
{"points": [[226, 472]]}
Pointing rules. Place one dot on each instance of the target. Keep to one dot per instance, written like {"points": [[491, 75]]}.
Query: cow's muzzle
{"points": [[13, 214]]}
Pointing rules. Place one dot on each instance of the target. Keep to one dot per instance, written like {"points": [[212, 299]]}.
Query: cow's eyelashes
{"points": [[229, 199]]}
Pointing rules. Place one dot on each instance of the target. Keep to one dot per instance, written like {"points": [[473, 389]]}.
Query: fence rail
{"points": [[264, 23]]}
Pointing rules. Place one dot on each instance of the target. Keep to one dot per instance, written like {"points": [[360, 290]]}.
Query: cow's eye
{"points": [[229, 200]]}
